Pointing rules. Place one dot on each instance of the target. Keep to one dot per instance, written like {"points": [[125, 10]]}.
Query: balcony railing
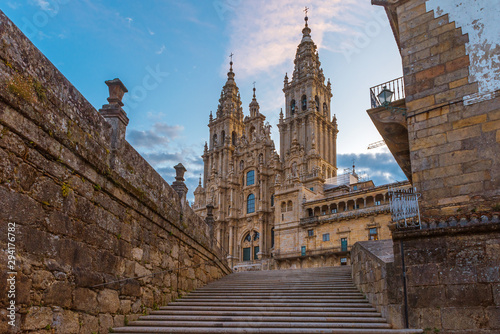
{"points": [[397, 86], [344, 215], [311, 252]]}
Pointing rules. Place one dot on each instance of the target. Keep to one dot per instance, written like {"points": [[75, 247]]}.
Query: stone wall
{"points": [[374, 274], [452, 276], [453, 124], [86, 212], [451, 69]]}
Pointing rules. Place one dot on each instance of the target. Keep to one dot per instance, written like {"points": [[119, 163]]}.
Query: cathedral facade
{"points": [[264, 204]]}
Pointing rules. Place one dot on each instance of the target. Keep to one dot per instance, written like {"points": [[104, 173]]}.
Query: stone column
{"points": [[113, 112], [209, 219], [263, 235], [179, 185], [230, 256]]}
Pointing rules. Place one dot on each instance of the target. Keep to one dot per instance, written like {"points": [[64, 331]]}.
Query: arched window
{"points": [[261, 158], [214, 140], [250, 247], [292, 107], [316, 99], [250, 177], [283, 206], [289, 206], [272, 200], [251, 203], [234, 138], [304, 102], [242, 165], [325, 108]]}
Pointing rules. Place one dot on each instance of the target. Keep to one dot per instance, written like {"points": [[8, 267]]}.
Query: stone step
{"points": [[274, 296], [366, 308], [309, 301], [258, 324], [267, 313], [246, 330], [253, 318], [273, 304]]}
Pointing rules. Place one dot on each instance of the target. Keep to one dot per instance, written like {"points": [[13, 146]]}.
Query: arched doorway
{"points": [[250, 246]]}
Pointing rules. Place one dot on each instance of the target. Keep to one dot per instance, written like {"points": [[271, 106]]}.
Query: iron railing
{"points": [[404, 207], [397, 86]]}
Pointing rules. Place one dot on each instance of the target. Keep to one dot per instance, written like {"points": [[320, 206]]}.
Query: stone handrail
{"points": [[344, 215]]}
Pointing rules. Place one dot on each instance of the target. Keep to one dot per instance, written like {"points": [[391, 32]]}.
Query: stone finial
{"points": [[179, 171], [116, 91], [209, 219], [179, 185], [113, 112]]}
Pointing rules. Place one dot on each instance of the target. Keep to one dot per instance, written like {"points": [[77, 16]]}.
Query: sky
{"points": [[173, 56]]}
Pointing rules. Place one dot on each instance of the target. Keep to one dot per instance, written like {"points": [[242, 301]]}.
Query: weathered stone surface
{"points": [[85, 300], [59, 293], [37, 318], [66, 322], [108, 300]]}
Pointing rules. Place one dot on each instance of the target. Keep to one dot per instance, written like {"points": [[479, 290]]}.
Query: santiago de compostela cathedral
{"points": [[289, 210]]}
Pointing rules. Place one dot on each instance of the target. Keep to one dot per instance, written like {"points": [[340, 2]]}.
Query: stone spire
{"points": [[230, 101], [254, 105]]}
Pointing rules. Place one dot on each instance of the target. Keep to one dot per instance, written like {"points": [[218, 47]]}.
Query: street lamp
{"points": [[385, 99], [385, 96]]}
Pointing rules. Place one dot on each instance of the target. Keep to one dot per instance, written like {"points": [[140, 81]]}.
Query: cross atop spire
{"points": [[306, 9]]}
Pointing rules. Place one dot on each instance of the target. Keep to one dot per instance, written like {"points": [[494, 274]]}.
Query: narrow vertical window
{"points": [[251, 203], [250, 177]]}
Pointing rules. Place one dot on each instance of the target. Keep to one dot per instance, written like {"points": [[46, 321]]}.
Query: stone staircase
{"points": [[317, 300]]}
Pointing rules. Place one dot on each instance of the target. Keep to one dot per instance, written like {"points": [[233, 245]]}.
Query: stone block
{"points": [[59, 294], [85, 300], [456, 318], [462, 295], [458, 83], [457, 63], [458, 275], [496, 293], [430, 73], [424, 318], [424, 274], [465, 133], [465, 122], [131, 288], [89, 324], [108, 301], [86, 278], [66, 322], [37, 318], [420, 103], [426, 296], [491, 126], [431, 141], [125, 306], [488, 273], [105, 323]]}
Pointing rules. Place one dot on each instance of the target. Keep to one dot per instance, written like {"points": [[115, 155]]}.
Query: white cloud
{"points": [[269, 37], [43, 4], [151, 32], [162, 49]]}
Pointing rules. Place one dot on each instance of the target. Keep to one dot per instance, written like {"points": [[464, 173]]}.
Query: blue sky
{"points": [[173, 57]]}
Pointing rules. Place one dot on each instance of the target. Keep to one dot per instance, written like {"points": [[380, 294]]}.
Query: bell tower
{"points": [[225, 129], [308, 134]]}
